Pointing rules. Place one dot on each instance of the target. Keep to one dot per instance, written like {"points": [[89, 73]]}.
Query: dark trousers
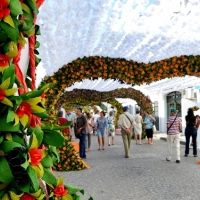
{"points": [[82, 146], [191, 131]]}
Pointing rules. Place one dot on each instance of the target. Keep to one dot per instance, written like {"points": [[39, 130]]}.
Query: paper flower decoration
{"points": [[5, 92], [4, 9], [3, 62], [35, 156]]}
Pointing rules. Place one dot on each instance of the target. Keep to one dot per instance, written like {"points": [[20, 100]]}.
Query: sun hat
{"points": [[174, 110]]}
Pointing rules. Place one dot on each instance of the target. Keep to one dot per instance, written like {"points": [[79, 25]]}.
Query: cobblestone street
{"points": [[145, 175]]}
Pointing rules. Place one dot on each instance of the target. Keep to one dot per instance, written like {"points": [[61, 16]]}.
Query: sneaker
{"points": [[186, 155], [195, 155], [178, 161]]}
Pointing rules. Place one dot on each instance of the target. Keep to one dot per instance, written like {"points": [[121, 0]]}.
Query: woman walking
{"points": [[101, 129], [138, 127], [148, 121], [111, 128], [191, 130], [89, 130]]}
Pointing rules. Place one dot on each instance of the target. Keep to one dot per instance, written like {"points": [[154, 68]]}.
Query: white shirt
{"points": [[95, 117], [69, 117]]}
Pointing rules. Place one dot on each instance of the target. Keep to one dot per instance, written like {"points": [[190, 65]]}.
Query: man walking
{"points": [[81, 124], [126, 121], [174, 125]]}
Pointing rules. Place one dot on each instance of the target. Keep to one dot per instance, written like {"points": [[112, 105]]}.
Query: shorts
{"points": [[101, 133], [149, 133]]}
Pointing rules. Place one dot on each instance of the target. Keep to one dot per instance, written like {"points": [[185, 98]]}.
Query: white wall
{"points": [[24, 59]]}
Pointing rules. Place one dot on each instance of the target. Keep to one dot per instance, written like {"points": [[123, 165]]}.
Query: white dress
{"points": [[138, 125]]}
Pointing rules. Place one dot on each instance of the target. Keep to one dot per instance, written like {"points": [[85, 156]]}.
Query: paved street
{"points": [[146, 175]]}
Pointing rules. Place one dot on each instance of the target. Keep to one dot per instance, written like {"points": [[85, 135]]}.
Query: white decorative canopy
{"points": [[99, 85], [141, 30]]}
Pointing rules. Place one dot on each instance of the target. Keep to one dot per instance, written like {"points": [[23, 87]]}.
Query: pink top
{"points": [[175, 127]]}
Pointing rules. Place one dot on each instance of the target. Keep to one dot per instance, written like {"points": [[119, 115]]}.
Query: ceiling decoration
{"points": [[141, 30], [168, 85]]}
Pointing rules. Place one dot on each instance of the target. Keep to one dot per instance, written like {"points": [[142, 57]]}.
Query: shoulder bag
{"points": [[171, 124]]}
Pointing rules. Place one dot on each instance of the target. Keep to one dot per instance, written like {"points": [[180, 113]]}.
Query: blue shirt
{"points": [[102, 123], [148, 122]]}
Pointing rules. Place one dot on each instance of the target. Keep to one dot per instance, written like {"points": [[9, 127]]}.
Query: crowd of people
{"points": [[86, 124]]}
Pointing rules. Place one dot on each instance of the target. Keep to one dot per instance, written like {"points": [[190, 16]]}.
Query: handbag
{"points": [[154, 128], [78, 135]]}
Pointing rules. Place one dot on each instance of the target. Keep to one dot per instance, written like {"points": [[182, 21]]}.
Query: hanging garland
{"points": [[129, 72]]}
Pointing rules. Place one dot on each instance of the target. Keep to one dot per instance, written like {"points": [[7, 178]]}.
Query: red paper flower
{"points": [[34, 121], [4, 10], [35, 155], [60, 191], [2, 94], [27, 196], [24, 108], [3, 58]]}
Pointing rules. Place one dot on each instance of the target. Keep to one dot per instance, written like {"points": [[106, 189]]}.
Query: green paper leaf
{"points": [[39, 134], [37, 44], [33, 177], [1, 139], [7, 102], [25, 187], [11, 49], [49, 178], [15, 7], [53, 138], [21, 39], [30, 32], [42, 115], [9, 73], [24, 120], [25, 165], [26, 8], [3, 36], [8, 127], [33, 142], [37, 30], [32, 5], [35, 93], [27, 25], [52, 151], [47, 161], [17, 101], [73, 190], [18, 139], [5, 177], [7, 146], [5, 84], [13, 33], [11, 115], [67, 197], [9, 21], [54, 127]]}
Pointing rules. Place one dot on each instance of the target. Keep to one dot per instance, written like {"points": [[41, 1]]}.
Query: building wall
{"points": [[185, 104]]}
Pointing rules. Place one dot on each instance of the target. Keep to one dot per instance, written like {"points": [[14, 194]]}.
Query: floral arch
{"points": [[130, 72], [91, 97]]}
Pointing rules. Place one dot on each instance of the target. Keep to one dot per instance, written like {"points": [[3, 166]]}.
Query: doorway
{"points": [[174, 101]]}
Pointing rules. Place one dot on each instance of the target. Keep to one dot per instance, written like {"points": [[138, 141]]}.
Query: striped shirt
{"points": [[175, 127]]}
